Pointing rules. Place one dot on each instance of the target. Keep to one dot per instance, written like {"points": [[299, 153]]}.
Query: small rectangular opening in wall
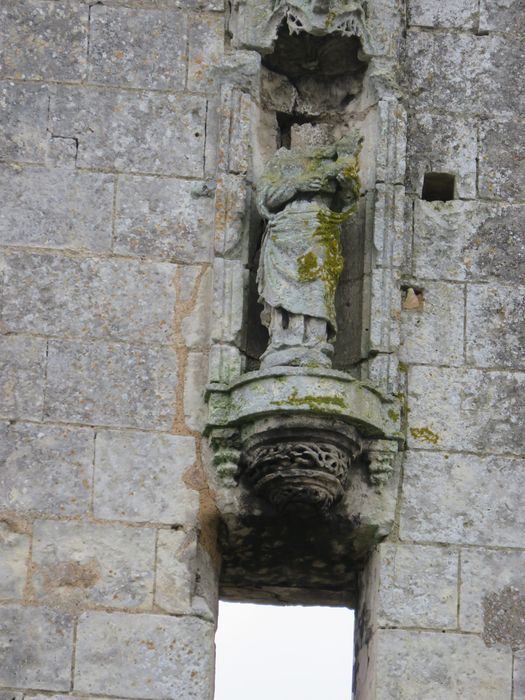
{"points": [[269, 652], [438, 187]]}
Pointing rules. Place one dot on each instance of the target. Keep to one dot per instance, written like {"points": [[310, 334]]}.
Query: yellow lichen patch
{"points": [[424, 433]]}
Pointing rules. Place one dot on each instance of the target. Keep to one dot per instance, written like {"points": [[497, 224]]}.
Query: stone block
{"points": [[485, 573], [14, 554], [457, 14], [442, 144], [133, 131], [111, 384], [431, 666], [45, 469], [176, 570], [502, 16], [229, 279], [195, 382], [495, 327], [205, 5], [502, 160], [36, 648], [80, 563], [418, 586], [469, 240], [140, 477], [474, 410], [43, 40], [137, 48], [518, 684], [144, 656], [22, 376], [24, 122], [433, 332], [459, 498], [162, 219], [88, 297], [206, 50], [56, 208], [195, 327]]}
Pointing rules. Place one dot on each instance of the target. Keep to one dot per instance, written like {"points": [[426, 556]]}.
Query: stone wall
{"points": [[108, 526]]}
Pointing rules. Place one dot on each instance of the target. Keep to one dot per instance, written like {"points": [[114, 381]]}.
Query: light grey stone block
{"points": [[22, 376], [88, 563], [176, 570], [418, 586], [144, 656], [161, 218], [460, 498], [206, 50], [469, 240], [433, 333], [485, 572], [502, 16], [502, 160], [56, 208], [14, 554], [53, 36], [495, 325], [428, 666], [442, 144], [195, 382], [518, 685], [472, 410], [45, 469], [137, 48], [36, 648], [459, 14], [111, 384], [140, 477], [111, 299], [195, 327], [133, 131], [24, 121], [206, 5]]}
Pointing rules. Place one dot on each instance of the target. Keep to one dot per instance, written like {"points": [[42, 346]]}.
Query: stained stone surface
{"points": [[140, 477], [501, 160], [460, 14], [36, 648], [22, 376], [14, 553], [457, 498], [502, 16], [206, 49], [88, 563], [118, 54], [144, 656], [113, 384], [133, 131], [162, 219], [65, 465], [52, 208], [88, 297], [53, 36], [176, 569], [24, 117]]}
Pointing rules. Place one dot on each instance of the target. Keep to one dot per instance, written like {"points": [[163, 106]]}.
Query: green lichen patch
{"points": [[424, 433], [393, 415], [317, 404]]}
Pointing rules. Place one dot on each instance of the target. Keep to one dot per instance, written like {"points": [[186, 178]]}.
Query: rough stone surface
{"points": [[502, 16], [195, 327], [146, 656], [176, 570], [36, 648], [501, 160], [22, 376], [53, 36], [14, 553], [140, 477], [470, 409], [118, 54], [45, 469], [427, 666], [195, 382], [24, 117], [463, 498], [433, 332], [53, 208], [206, 49], [99, 564], [88, 297], [133, 131], [163, 219], [418, 586], [495, 328], [485, 573], [519, 676], [460, 14], [111, 384]]}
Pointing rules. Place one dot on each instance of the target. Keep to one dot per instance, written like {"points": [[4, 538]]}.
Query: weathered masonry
{"points": [[262, 300]]}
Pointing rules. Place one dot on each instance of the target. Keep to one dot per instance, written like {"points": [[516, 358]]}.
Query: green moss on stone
{"points": [[393, 415], [317, 404], [424, 433]]}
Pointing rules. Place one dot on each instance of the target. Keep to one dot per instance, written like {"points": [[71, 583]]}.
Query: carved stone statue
{"points": [[305, 195]]}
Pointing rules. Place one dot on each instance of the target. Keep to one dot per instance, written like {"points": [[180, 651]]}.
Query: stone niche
{"points": [[304, 415]]}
